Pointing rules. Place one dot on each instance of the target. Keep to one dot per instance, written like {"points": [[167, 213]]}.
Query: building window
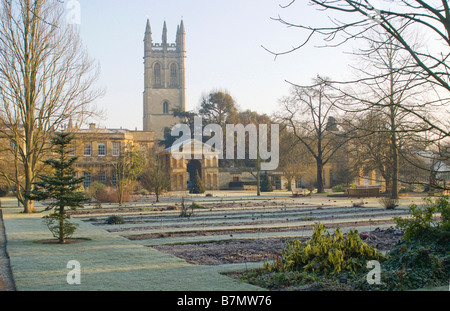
{"points": [[116, 149], [166, 107], [114, 179], [87, 149], [102, 177], [157, 74], [87, 179], [173, 75], [101, 149]]}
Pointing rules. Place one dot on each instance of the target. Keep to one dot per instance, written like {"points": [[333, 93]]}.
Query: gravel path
{"points": [[6, 277]]}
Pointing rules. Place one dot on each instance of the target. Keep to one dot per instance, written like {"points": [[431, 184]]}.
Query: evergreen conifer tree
{"points": [[61, 186], [197, 187], [266, 184]]}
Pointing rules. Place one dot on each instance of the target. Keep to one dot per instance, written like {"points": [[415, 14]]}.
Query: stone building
{"points": [[98, 150], [182, 169], [164, 79], [164, 90]]}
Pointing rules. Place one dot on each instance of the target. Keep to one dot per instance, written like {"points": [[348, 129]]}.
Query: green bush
{"points": [[414, 264], [4, 190], [339, 188], [236, 184], [266, 184], [328, 254], [422, 259], [197, 187], [196, 205], [423, 225], [115, 220], [59, 225]]}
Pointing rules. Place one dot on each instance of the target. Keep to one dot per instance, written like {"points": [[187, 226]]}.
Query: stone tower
{"points": [[165, 80]]}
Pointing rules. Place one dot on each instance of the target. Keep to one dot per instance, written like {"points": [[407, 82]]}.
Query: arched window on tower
{"points": [[157, 74], [166, 107], [173, 75]]}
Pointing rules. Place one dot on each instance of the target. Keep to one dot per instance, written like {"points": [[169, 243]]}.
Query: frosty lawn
{"points": [[108, 262], [111, 261]]}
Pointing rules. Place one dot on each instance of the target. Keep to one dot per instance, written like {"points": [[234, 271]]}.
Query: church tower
{"points": [[165, 80]]}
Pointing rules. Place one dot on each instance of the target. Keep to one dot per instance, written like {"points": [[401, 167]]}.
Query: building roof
{"points": [[189, 147]]}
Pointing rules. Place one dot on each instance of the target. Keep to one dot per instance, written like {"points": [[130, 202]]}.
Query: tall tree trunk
{"points": [[62, 233], [320, 186], [319, 161], [395, 167], [258, 169], [394, 150], [28, 204]]}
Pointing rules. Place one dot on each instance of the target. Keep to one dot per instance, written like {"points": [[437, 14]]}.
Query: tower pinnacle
{"points": [[148, 38], [164, 34]]}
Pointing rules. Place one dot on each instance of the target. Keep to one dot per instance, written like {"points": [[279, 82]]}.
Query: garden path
{"points": [[6, 278]]}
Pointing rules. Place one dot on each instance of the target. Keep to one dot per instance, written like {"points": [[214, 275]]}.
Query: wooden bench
{"points": [[299, 192], [363, 192]]}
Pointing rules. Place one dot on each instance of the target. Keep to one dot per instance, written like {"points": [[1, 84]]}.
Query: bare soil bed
{"points": [[241, 251], [231, 231]]}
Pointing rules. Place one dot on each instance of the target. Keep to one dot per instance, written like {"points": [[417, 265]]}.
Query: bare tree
{"points": [[307, 114], [295, 161], [46, 78], [127, 168], [252, 166], [154, 176], [352, 20], [380, 102]]}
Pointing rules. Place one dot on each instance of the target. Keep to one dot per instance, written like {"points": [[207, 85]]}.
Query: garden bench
{"points": [[363, 192]]}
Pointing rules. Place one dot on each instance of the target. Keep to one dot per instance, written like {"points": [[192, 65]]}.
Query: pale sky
{"points": [[223, 48]]}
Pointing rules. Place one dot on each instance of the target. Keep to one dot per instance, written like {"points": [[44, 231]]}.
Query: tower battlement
{"points": [[165, 80]]}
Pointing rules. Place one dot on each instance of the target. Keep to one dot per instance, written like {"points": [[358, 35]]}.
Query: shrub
{"points": [[60, 226], [266, 184], [196, 205], [414, 264], [388, 202], [93, 190], [115, 220], [422, 225], [197, 187], [4, 190], [339, 188], [109, 195], [236, 184], [422, 258], [184, 210], [328, 254]]}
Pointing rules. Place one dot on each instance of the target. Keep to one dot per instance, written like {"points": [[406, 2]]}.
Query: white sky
{"points": [[223, 44]]}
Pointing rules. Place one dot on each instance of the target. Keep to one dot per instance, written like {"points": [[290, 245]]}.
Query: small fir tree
{"points": [[266, 184], [197, 187], [62, 187]]}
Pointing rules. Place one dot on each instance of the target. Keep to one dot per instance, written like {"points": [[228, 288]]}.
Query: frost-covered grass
{"points": [[108, 261]]}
